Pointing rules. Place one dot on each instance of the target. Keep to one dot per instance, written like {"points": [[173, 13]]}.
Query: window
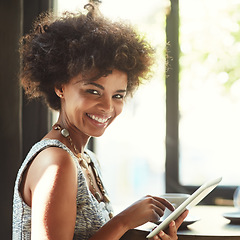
{"points": [[209, 94], [209, 90]]}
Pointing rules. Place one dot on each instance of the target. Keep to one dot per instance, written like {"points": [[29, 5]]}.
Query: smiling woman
{"points": [[91, 106], [83, 65]]}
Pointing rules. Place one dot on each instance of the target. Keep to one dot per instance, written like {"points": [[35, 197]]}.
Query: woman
{"points": [[83, 66]]}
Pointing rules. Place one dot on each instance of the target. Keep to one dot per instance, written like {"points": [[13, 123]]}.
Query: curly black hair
{"points": [[60, 47]]}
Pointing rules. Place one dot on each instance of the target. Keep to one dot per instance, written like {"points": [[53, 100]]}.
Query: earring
{"points": [[61, 95]]}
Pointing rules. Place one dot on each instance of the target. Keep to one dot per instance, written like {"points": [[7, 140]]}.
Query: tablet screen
{"points": [[192, 201]]}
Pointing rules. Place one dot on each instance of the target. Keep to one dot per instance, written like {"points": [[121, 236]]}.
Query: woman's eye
{"points": [[118, 96], [92, 91]]}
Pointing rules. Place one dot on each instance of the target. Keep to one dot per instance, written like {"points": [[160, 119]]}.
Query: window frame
{"points": [[222, 195], [33, 111]]}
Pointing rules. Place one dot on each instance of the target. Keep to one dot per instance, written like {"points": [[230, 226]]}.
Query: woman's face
{"points": [[91, 106]]}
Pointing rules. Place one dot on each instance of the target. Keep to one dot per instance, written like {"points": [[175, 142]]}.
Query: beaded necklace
{"points": [[86, 162]]}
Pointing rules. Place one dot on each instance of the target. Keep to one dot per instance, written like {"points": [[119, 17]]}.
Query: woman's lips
{"points": [[99, 119]]}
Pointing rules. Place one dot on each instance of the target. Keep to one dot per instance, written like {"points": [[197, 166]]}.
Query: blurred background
{"points": [[178, 131]]}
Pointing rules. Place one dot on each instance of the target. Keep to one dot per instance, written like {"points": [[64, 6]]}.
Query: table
{"points": [[210, 226]]}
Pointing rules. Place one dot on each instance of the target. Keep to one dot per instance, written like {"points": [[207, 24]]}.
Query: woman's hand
{"points": [[171, 232], [147, 209]]}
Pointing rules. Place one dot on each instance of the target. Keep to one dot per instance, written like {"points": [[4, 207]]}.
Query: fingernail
{"points": [[172, 224], [161, 234]]}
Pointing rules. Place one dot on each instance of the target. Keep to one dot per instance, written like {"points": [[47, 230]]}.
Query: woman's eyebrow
{"points": [[122, 91], [94, 84]]}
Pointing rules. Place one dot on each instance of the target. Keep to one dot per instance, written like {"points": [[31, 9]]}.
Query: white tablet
{"points": [[193, 200]]}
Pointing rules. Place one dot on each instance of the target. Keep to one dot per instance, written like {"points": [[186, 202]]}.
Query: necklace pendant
{"points": [[84, 163], [87, 158], [97, 196], [106, 198], [65, 132]]}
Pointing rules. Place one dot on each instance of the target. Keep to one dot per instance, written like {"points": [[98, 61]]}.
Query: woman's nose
{"points": [[106, 104]]}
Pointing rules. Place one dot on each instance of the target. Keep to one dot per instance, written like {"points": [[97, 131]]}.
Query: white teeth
{"points": [[100, 120]]}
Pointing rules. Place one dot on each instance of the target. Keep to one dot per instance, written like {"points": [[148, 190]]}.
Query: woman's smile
{"points": [[97, 119], [91, 105]]}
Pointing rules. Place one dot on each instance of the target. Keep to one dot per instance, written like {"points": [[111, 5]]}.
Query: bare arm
{"points": [[52, 180], [146, 209]]}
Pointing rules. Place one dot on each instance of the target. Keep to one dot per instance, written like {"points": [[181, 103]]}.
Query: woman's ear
{"points": [[59, 91]]}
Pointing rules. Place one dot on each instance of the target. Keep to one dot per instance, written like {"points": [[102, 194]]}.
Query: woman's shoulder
{"points": [[54, 160], [46, 143], [51, 146], [50, 164], [52, 153]]}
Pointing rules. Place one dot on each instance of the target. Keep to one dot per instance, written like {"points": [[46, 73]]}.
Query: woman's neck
{"points": [[78, 138]]}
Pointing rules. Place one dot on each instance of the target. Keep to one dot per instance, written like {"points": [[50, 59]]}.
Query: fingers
{"points": [[161, 235], [181, 218], [162, 203], [165, 202], [158, 206], [156, 237], [171, 235], [172, 230]]}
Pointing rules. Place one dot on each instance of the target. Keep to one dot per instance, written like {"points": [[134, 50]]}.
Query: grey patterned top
{"points": [[91, 214]]}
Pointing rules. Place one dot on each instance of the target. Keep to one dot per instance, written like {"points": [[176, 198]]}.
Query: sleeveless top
{"points": [[91, 215]]}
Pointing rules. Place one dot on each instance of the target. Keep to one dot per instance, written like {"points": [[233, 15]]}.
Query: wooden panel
{"points": [[35, 115], [10, 30], [11, 144]]}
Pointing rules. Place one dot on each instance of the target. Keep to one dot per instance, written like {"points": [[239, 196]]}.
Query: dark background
{"points": [[21, 123]]}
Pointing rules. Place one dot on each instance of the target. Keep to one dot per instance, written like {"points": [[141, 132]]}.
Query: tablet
{"points": [[193, 200]]}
